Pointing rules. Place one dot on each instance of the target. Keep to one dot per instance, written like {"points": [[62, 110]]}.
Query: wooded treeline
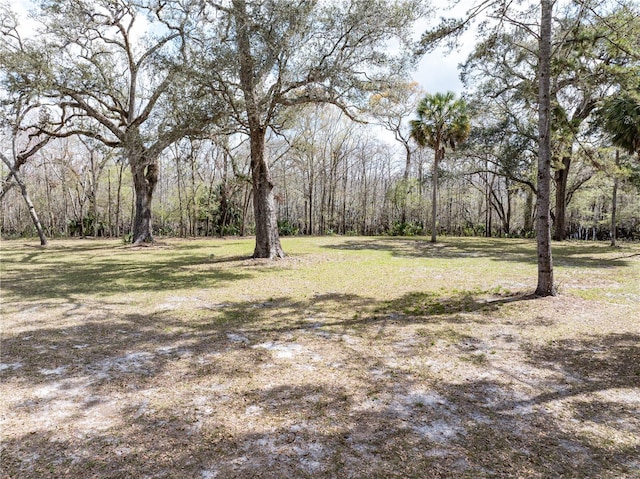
{"points": [[333, 177], [178, 127]]}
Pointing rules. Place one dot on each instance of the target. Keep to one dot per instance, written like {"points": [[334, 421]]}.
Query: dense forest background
{"points": [[333, 177], [333, 171]]}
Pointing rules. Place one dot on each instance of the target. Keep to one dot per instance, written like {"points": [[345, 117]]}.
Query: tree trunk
{"points": [[507, 221], [48, 187], [311, 193], [345, 183], [365, 191], [488, 221], [27, 200], [145, 178], [179, 183], [614, 201], [96, 172], [434, 193], [545, 285], [267, 238], [194, 199], [225, 201], [528, 211], [323, 201], [210, 225], [109, 224], [333, 191], [248, 195], [118, 221], [405, 183], [561, 179], [94, 210]]}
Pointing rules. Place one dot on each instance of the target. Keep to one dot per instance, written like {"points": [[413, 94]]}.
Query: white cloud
{"points": [[438, 71]]}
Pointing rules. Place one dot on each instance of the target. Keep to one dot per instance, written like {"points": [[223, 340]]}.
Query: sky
{"points": [[438, 71]]}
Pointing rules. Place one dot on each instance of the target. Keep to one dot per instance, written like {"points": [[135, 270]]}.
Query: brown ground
{"points": [[447, 383]]}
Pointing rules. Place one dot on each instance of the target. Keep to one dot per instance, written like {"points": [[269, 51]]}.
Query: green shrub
{"points": [[285, 228], [399, 228]]}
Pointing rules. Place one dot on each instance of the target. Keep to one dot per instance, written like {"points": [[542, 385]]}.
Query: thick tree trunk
{"points": [[561, 180], [543, 225], [267, 238], [145, 178], [528, 212]]}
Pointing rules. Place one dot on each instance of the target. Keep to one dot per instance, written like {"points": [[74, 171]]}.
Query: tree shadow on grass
{"points": [[317, 429], [594, 363], [497, 249], [506, 438], [56, 278], [100, 341], [423, 306], [512, 433], [163, 395], [338, 311]]}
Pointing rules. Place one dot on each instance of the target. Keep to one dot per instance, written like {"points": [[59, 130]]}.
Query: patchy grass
{"points": [[352, 357]]}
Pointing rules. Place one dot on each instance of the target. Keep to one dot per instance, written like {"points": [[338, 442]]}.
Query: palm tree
{"points": [[620, 118], [442, 122]]}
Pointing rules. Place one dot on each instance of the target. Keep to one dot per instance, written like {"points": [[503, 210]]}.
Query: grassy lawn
{"points": [[352, 358]]}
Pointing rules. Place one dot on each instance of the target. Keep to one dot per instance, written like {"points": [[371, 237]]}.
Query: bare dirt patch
{"points": [[221, 367]]}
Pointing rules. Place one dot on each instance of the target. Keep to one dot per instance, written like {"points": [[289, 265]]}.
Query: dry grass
{"points": [[352, 358]]}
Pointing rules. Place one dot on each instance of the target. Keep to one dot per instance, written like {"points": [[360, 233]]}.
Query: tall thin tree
{"points": [[545, 285]]}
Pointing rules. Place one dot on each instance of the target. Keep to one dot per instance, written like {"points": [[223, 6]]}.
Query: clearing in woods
{"points": [[351, 358]]}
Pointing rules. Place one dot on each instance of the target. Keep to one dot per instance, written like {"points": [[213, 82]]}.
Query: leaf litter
{"points": [[331, 387]]}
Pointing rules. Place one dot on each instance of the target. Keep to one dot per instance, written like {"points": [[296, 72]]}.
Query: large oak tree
{"points": [[111, 71], [266, 56]]}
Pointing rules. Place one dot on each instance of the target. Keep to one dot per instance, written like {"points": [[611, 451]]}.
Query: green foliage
{"points": [[399, 228], [620, 118], [634, 176], [219, 211], [443, 122], [285, 228], [86, 226], [593, 48]]}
